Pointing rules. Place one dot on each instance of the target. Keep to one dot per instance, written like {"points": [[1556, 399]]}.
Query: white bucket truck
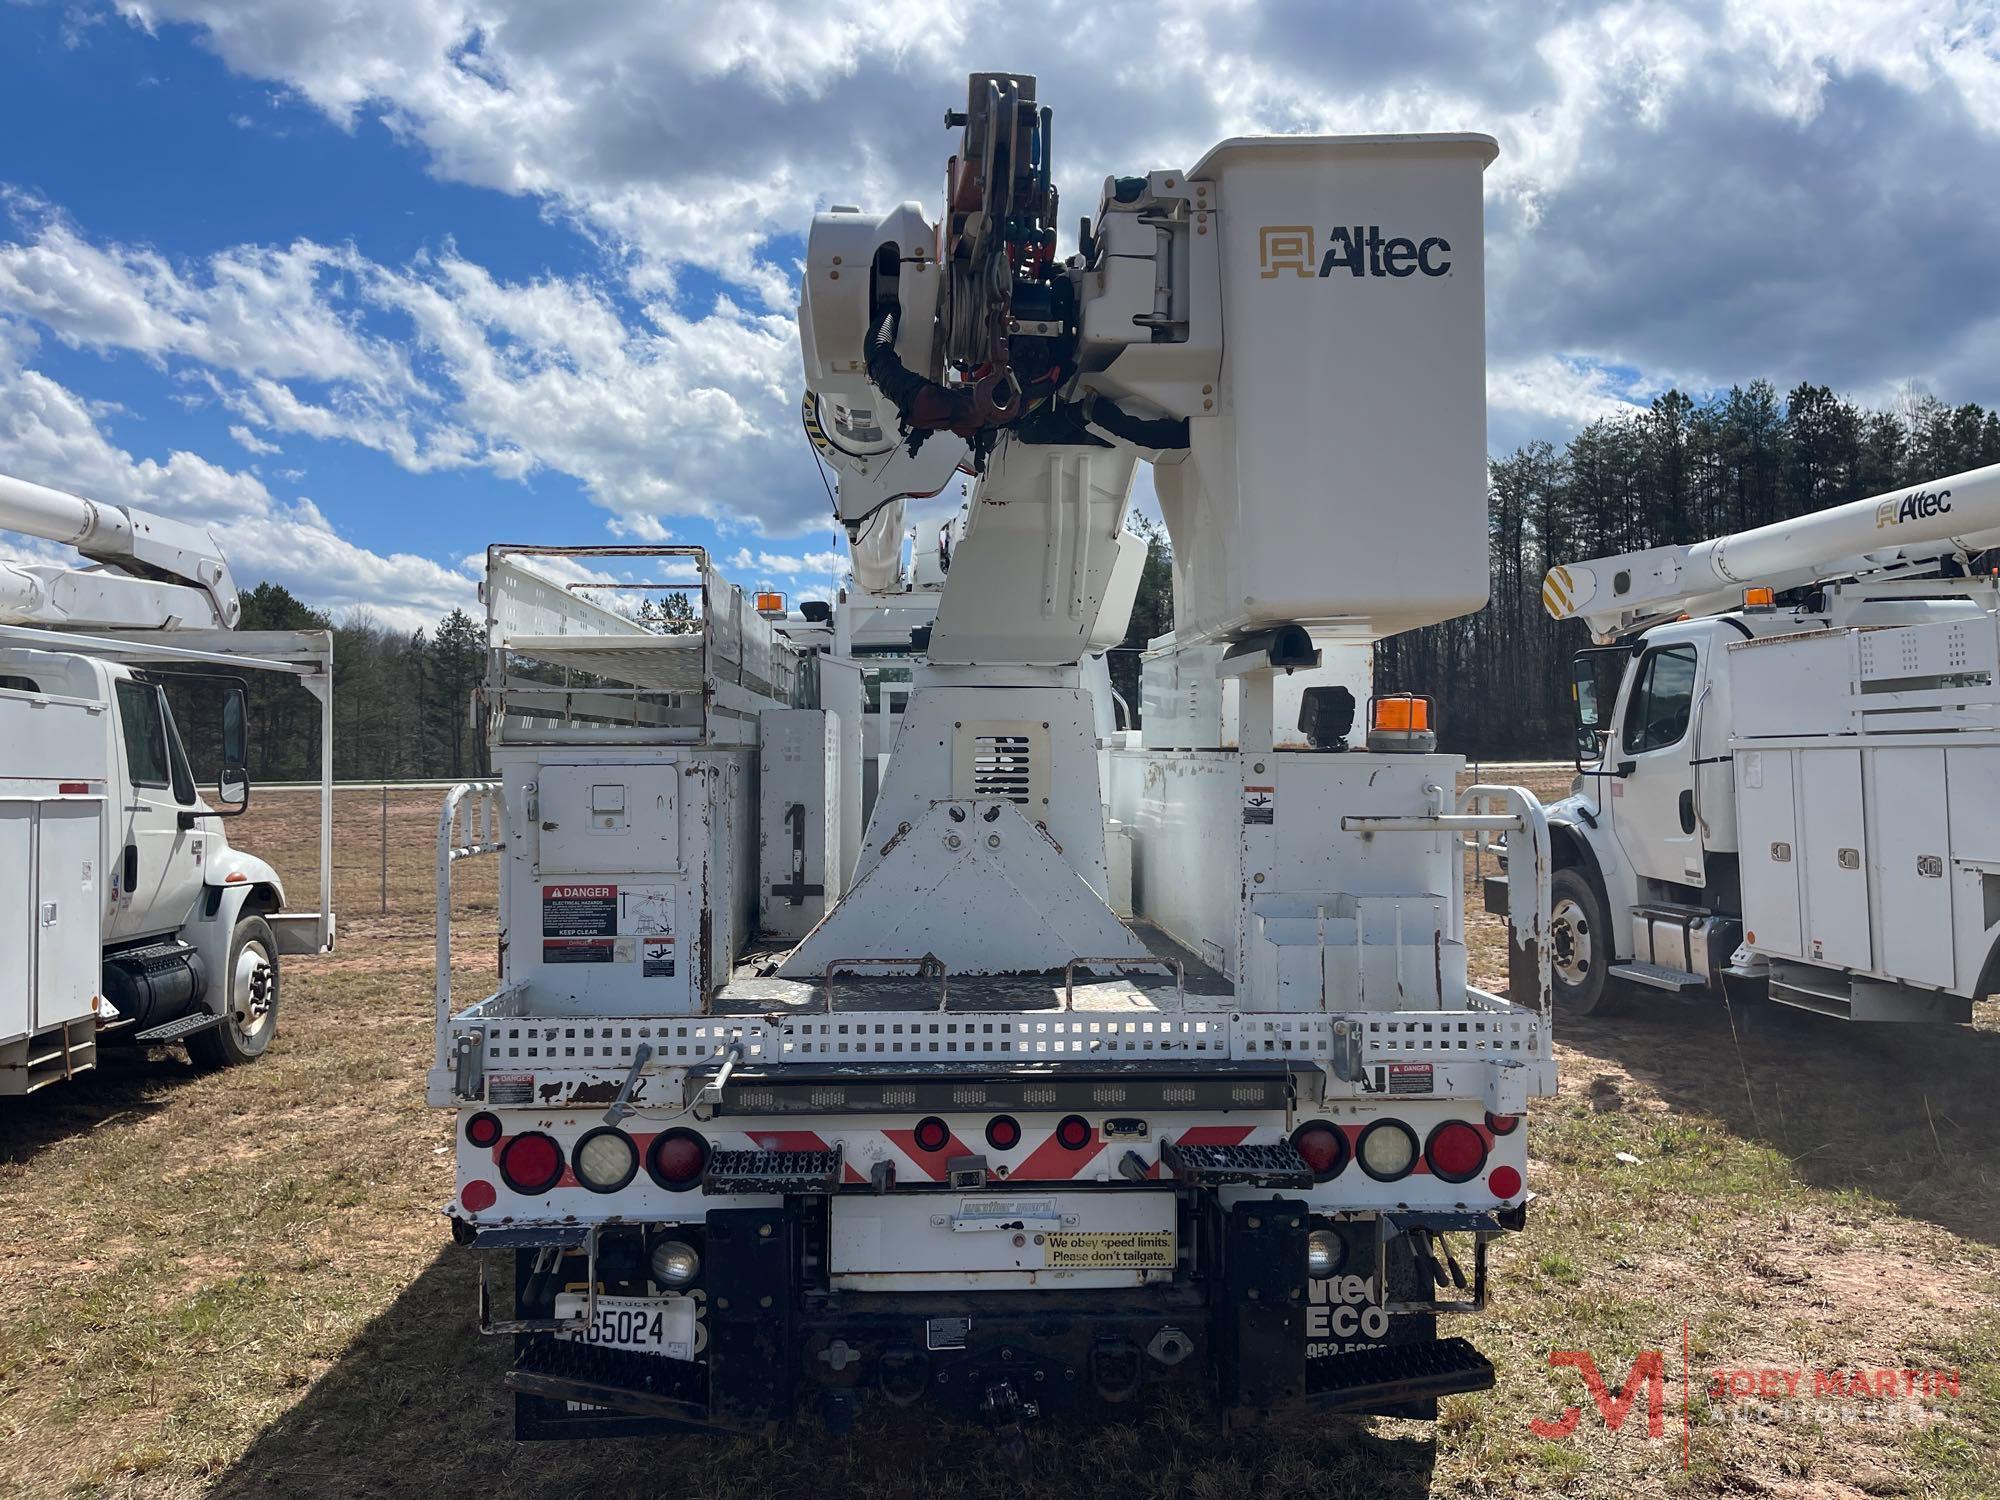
{"points": [[975, 1140], [131, 916], [1789, 764]]}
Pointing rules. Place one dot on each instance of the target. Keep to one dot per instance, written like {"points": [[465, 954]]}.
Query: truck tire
{"points": [[249, 1006], [1579, 945]]}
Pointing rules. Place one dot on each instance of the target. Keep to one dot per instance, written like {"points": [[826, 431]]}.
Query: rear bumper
{"points": [[1255, 1333]]}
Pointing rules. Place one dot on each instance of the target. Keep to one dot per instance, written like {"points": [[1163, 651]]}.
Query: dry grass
{"points": [[240, 1283]]}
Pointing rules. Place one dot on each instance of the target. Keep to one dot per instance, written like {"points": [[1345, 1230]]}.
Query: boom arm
{"points": [[1960, 514], [154, 573]]}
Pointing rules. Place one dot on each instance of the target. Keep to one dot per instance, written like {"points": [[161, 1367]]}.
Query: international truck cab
{"points": [[1782, 786], [135, 917]]}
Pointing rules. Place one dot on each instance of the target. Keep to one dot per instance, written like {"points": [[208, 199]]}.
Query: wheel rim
{"points": [[253, 994], [1569, 942]]}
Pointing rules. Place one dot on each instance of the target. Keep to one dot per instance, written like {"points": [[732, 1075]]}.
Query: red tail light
{"points": [[1003, 1132], [483, 1130], [1503, 1124], [1456, 1151], [1323, 1147], [932, 1134], [1504, 1182], [531, 1163], [677, 1159], [1073, 1132]]}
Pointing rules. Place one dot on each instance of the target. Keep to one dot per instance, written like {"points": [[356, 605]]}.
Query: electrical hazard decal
{"points": [[1260, 804], [646, 910], [579, 911], [656, 958]]}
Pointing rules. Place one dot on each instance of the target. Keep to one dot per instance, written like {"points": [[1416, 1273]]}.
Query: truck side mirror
{"points": [[235, 729], [232, 790]]}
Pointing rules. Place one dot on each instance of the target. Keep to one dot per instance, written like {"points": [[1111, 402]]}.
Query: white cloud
{"points": [[1718, 189], [51, 435], [669, 413], [1562, 392]]}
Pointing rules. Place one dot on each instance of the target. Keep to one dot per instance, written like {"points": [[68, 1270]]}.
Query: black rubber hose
{"points": [[1145, 432], [921, 403]]}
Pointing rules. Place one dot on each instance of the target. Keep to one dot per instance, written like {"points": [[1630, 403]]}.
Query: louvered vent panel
{"points": [[1003, 766]]}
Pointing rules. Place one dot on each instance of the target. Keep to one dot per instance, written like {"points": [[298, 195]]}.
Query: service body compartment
{"points": [[1878, 858], [799, 818], [1002, 1237], [49, 888], [1909, 857], [629, 889]]}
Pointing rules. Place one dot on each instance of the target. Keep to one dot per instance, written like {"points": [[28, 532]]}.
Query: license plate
{"points": [[650, 1325]]}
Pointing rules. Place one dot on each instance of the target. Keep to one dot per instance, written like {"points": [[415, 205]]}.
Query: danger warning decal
{"points": [[579, 911], [1260, 804]]}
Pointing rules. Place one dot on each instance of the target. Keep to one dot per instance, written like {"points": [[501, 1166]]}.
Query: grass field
{"points": [[240, 1283]]}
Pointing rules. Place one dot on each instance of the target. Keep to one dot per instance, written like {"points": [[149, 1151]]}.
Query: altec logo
{"points": [[1358, 249], [1913, 506]]}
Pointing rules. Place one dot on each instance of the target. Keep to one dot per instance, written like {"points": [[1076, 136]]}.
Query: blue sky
{"points": [[369, 286]]}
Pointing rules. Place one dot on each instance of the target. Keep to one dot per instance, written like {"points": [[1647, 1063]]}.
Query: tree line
{"points": [[402, 700], [1677, 472]]}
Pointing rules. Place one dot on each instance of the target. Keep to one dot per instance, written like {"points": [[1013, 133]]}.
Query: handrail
{"points": [[1527, 883], [930, 966], [485, 805]]}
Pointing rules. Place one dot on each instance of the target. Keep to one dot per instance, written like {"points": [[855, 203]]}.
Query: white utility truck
{"points": [[976, 1138], [1789, 764], [133, 917]]}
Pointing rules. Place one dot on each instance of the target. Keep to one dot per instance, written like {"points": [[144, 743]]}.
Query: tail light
{"points": [[1386, 1150], [1456, 1151], [1503, 1124], [932, 1134], [483, 1130], [1073, 1132], [531, 1163], [605, 1160], [677, 1159], [1324, 1148], [1003, 1132]]}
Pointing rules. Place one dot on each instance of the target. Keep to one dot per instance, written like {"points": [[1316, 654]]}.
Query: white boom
{"points": [[1959, 514], [156, 573]]}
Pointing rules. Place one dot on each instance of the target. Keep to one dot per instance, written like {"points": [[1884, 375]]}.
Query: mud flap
{"points": [[1260, 1321], [751, 1360]]}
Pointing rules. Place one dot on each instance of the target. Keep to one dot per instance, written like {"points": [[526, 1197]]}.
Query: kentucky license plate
{"points": [[650, 1325]]}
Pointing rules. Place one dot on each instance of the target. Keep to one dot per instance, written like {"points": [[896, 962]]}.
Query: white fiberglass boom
{"points": [[1959, 514], [156, 573]]}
